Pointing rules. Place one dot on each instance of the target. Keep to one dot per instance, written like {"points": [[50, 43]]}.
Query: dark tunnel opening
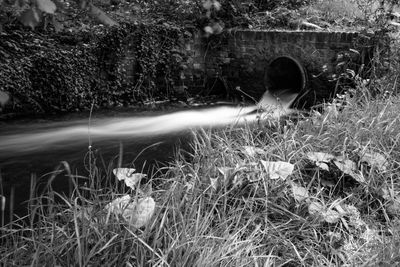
{"points": [[285, 75]]}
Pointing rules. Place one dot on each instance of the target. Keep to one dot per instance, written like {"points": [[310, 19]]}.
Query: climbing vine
{"points": [[68, 72], [142, 60]]}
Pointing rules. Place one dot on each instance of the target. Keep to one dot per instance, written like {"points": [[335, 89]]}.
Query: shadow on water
{"points": [[148, 140]]}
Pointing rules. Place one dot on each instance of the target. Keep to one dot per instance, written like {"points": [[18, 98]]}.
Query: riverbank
{"points": [[332, 202]]}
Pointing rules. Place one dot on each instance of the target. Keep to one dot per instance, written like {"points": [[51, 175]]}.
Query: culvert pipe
{"points": [[284, 77]]}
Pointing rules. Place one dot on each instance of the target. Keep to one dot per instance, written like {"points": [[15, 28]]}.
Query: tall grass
{"points": [[216, 205]]}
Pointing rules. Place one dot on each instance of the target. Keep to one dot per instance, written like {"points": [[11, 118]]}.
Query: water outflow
{"points": [[269, 108]]}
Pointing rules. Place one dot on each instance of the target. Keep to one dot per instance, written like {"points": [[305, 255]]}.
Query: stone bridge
{"points": [[310, 63]]}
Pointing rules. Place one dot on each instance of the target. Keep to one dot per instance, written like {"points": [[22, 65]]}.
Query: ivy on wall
{"points": [[71, 71]]}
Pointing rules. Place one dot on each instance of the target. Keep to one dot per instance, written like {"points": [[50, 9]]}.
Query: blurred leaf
{"points": [[57, 25], [85, 213], [393, 208], [123, 173], [278, 169], [387, 194], [208, 30], [331, 216], [46, 6], [375, 159], [253, 151], [230, 175], [320, 159], [207, 4], [214, 183], [30, 17], [299, 193], [326, 182], [331, 110], [100, 15], [319, 211], [118, 205], [217, 5], [322, 165], [217, 28], [139, 215], [82, 3], [4, 98], [315, 208], [320, 156], [345, 165], [359, 177], [227, 171]]}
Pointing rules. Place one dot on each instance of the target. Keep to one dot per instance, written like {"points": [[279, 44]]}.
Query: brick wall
{"points": [[240, 58]]}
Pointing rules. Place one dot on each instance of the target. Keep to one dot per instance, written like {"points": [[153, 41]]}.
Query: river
{"points": [[147, 140]]}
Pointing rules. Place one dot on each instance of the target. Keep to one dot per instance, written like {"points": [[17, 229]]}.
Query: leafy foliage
{"points": [[71, 71], [153, 50]]}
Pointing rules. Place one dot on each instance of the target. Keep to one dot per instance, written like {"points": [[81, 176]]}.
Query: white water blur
{"points": [[269, 108]]}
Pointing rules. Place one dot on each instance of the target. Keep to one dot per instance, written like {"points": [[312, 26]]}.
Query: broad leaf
{"points": [[278, 169], [375, 159], [129, 176], [46, 6], [350, 168], [345, 165]]}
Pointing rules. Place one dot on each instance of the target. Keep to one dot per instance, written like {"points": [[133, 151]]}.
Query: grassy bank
{"points": [[221, 205]]}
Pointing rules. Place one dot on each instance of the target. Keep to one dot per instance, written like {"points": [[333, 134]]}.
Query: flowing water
{"points": [[38, 147]]}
